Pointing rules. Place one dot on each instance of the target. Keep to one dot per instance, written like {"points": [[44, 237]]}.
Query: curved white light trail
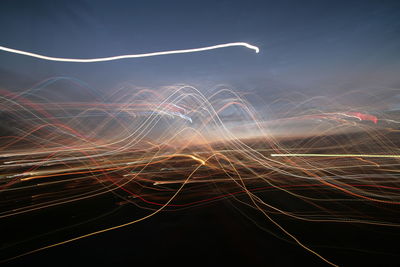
{"points": [[152, 54]]}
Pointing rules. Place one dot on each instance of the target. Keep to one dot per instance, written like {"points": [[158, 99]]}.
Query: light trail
{"points": [[152, 54], [336, 155]]}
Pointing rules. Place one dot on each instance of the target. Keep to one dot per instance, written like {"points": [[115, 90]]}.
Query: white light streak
{"points": [[152, 54], [337, 155]]}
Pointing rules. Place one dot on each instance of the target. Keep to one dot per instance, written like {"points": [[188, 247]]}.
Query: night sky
{"points": [[315, 47]]}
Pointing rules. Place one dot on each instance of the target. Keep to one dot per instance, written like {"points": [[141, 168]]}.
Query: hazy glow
{"points": [[152, 54]]}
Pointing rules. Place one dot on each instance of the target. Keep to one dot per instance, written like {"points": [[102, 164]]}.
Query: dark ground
{"points": [[215, 234]]}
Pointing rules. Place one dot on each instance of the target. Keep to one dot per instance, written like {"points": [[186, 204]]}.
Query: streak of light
{"points": [[336, 155], [152, 54], [198, 159]]}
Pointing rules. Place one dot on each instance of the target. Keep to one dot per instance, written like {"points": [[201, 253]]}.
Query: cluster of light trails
{"points": [[174, 148]]}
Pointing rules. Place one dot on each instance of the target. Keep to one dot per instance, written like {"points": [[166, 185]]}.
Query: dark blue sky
{"points": [[305, 45]]}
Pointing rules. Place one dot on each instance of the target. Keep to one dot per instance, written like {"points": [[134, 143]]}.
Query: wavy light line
{"points": [[152, 54]]}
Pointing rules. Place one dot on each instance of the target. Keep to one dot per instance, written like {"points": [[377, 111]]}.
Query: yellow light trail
{"points": [[336, 155], [152, 54], [198, 159]]}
